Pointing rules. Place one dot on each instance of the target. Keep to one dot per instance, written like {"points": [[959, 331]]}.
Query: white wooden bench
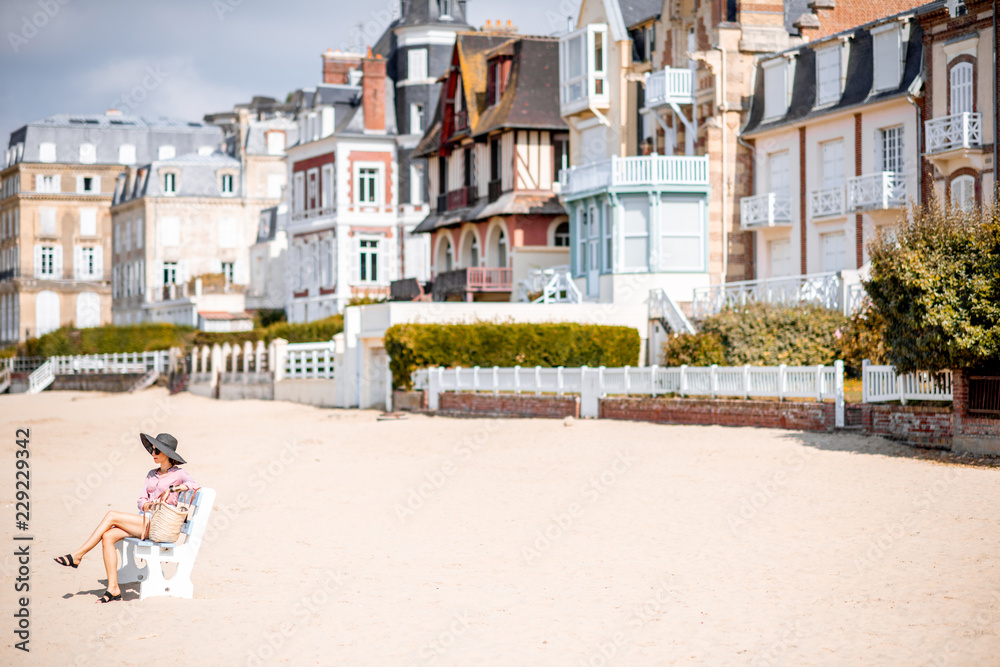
{"points": [[155, 554]]}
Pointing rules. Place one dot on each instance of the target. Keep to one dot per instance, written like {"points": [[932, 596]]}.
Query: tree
{"points": [[936, 287]]}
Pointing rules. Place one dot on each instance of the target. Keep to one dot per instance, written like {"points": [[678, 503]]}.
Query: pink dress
{"points": [[156, 484]]}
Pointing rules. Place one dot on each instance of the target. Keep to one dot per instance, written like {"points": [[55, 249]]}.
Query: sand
{"points": [[338, 539]]}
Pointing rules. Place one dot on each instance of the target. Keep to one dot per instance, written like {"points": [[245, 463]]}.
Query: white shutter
{"points": [[327, 118], [355, 260], [157, 273], [57, 183], [300, 193], [139, 224], [79, 184], [78, 268], [118, 238], [828, 74], [38, 261], [416, 64], [96, 184], [386, 258], [39, 183], [887, 59], [779, 183], [98, 263], [57, 262], [775, 92], [182, 272], [833, 163], [961, 88], [240, 272]]}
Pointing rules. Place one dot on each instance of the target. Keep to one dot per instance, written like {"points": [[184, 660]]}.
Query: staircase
{"points": [[146, 380], [41, 378], [664, 310]]}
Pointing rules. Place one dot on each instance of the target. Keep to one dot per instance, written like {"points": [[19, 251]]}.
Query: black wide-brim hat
{"points": [[164, 442]]}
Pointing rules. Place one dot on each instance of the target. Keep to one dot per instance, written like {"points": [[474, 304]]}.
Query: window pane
{"points": [[636, 252], [680, 253]]}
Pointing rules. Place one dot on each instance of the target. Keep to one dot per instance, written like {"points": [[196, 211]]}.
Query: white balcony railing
{"points": [[881, 190], [765, 210], [313, 214], [960, 130], [826, 202], [823, 289], [635, 171], [672, 84]]}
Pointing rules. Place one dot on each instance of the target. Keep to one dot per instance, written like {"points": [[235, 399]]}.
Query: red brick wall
{"points": [[965, 424], [845, 14], [373, 92], [509, 405], [922, 426], [764, 414]]}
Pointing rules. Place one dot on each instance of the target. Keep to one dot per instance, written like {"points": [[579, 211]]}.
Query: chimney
{"points": [[337, 66], [373, 92]]}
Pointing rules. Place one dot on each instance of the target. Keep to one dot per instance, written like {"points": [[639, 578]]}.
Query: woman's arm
{"points": [[144, 498], [185, 483]]}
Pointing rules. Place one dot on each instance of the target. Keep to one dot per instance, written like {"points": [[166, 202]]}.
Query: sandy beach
{"points": [[338, 539]]}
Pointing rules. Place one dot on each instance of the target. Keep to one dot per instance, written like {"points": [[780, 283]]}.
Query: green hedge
{"points": [[487, 344], [762, 335], [108, 339], [306, 332], [158, 336]]}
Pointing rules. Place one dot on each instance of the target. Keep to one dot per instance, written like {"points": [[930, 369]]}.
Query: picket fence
{"points": [[880, 384]]}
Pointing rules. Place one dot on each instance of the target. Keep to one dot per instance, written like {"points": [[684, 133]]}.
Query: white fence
{"points": [[124, 362], [310, 361], [781, 382], [880, 384]]}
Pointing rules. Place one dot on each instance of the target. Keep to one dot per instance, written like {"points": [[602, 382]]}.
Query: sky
{"points": [[186, 58]]}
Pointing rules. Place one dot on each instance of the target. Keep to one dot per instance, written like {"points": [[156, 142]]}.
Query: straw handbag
{"points": [[165, 521]]}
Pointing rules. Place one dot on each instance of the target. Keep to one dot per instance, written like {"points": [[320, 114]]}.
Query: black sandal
{"points": [[66, 561], [108, 597]]}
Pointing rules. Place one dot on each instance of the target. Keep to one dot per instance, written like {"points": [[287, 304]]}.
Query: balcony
{"points": [[672, 85], [454, 199], [826, 202], [881, 190], [955, 141], [313, 214], [583, 70], [767, 210], [173, 291], [465, 282], [639, 171]]}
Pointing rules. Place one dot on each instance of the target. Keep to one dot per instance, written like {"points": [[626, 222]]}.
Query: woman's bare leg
{"points": [[130, 523], [111, 556]]}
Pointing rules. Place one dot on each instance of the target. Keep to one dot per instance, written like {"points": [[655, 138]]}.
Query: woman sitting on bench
{"points": [[118, 525]]}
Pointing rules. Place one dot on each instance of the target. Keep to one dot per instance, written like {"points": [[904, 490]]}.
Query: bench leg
{"points": [[128, 571], [154, 583]]}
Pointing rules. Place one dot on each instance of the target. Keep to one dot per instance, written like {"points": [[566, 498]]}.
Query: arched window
{"points": [[961, 88], [562, 235], [449, 256], [502, 250], [46, 312], [474, 251], [88, 310], [963, 192]]}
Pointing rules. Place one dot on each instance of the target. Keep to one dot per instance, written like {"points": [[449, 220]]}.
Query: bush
{"points": [[108, 339], [761, 334], [863, 338], [700, 349], [936, 286], [487, 344]]}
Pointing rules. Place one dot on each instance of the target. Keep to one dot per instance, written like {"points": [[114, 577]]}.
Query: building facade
{"points": [[959, 105], [55, 223], [835, 127], [494, 153], [182, 230], [355, 195]]}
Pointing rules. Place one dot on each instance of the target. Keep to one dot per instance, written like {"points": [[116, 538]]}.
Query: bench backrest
{"points": [[195, 526]]}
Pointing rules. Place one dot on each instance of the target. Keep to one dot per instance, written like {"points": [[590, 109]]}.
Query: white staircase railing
{"points": [[310, 361], [41, 377], [665, 310], [145, 381]]}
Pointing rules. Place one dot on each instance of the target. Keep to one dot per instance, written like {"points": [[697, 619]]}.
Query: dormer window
{"points": [[828, 75], [496, 82], [227, 184], [170, 183], [583, 69], [643, 42], [444, 9], [416, 64]]}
